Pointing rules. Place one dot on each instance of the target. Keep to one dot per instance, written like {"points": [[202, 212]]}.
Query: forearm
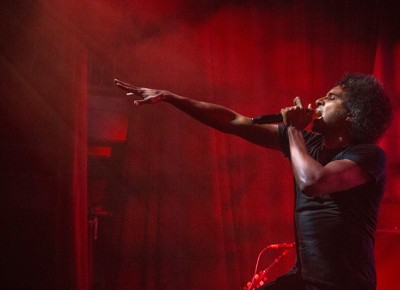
{"points": [[213, 115], [307, 171]]}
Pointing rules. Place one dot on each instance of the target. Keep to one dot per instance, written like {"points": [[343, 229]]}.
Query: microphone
{"points": [[282, 246], [267, 119]]}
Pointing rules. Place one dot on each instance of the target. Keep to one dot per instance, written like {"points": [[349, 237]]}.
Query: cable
{"points": [[285, 246]]}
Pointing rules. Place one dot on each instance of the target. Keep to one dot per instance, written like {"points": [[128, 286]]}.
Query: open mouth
{"points": [[317, 114]]}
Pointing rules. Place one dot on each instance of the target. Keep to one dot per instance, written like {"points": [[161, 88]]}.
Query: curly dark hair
{"points": [[369, 106]]}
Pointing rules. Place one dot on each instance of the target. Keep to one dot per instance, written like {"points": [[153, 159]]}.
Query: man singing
{"points": [[339, 173]]}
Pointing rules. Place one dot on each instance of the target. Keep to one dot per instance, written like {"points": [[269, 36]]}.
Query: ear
{"points": [[349, 117]]}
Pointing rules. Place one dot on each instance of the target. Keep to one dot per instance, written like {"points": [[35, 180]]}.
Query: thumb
{"points": [[297, 102]]}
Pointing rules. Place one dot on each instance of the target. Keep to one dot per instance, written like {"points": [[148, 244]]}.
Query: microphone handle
{"points": [[267, 119]]}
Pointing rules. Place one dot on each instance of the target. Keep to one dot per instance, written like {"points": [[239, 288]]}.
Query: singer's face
{"points": [[331, 113]]}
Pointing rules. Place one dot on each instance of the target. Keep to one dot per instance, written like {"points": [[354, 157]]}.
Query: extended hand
{"points": [[148, 96]]}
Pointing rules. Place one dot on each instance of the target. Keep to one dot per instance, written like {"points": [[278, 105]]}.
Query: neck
{"points": [[336, 142]]}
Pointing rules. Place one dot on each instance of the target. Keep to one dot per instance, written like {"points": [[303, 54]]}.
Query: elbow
{"points": [[312, 182], [230, 125], [309, 191], [309, 186]]}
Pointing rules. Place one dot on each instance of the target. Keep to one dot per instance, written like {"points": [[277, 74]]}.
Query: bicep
{"points": [[338, 175]]}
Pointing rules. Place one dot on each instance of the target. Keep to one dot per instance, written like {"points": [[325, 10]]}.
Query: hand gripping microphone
{"points": [[275, 118]]}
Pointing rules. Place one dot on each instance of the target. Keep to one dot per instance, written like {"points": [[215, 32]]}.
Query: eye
{"points": [[332, 97]]}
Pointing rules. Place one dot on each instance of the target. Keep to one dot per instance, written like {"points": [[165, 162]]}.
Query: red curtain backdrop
{"points": [[190, 208], [43, 147]]}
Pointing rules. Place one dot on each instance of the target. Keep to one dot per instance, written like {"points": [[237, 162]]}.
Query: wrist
{"points": [[296, 138], [171, 97], [293, 129]]}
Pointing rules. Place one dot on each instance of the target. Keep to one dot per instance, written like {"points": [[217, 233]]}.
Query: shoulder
{"points": [[364, 151], [371, 157]]}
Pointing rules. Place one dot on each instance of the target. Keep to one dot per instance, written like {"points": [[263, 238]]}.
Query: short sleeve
{"points": [[370, 157]]}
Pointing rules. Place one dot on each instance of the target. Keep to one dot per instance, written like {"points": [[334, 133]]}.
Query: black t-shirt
{"points": [[335, 232]]}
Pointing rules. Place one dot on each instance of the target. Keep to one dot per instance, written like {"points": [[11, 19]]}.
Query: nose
{"points": [[319, 102]]}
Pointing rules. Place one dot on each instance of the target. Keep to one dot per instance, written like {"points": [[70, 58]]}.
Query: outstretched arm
{"points": [[216, 116]]}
